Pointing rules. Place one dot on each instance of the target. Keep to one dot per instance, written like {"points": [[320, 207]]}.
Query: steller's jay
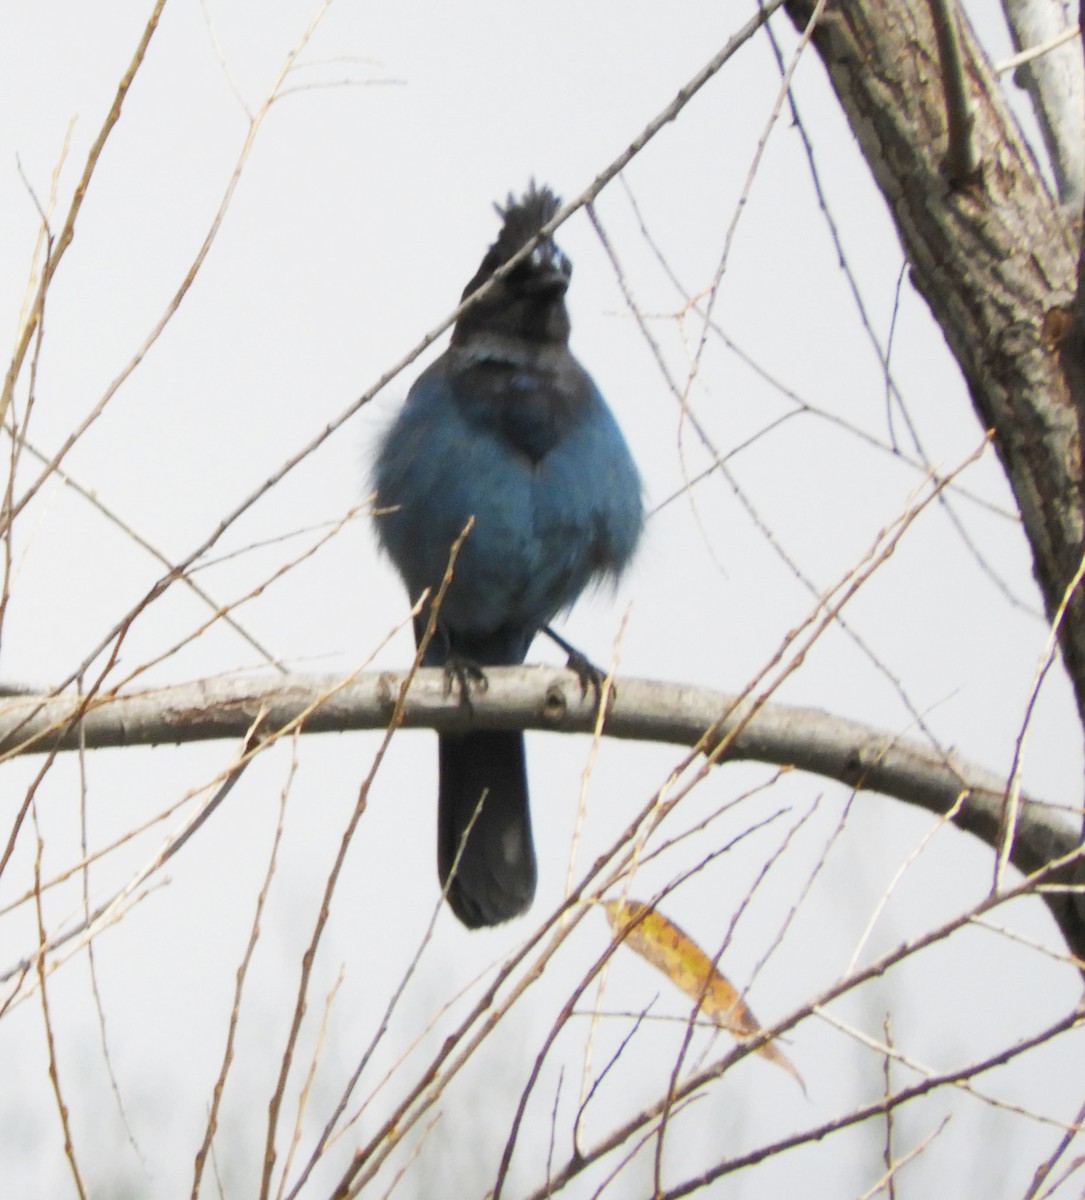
{"points": [[508, 428]]}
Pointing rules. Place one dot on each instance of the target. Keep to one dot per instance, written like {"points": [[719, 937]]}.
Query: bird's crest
{"points": [[522, 219]]}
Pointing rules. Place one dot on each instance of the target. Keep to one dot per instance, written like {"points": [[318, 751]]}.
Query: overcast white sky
{"points": [[362, 211]]}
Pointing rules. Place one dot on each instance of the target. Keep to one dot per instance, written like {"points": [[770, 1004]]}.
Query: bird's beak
{"points": [[552, 282]]}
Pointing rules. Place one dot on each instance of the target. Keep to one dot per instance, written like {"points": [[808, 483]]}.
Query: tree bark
{"points": [[994, 256]]}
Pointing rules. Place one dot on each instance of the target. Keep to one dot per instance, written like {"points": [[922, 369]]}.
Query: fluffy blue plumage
{"points": [[507, 427]]}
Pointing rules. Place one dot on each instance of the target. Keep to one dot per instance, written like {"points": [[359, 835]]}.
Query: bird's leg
{"points": [[587, 672], [459, 669]]}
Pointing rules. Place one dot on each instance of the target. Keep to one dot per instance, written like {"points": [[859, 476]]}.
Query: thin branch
{"points": [[887, 1074], [114, 518], [1049, 1164], [888, 1051], [50, 1040], [801, 404], [961, 162], [392, 723], [92, 966], [239, 987], [1035, 52], [1008, 828], [864, 1112], [111, 910], [883, 354], [942, 481], [67, 231], [189, 278], [849, 983], [887, 1182]]}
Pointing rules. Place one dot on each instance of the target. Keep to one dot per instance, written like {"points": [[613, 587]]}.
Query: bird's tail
{"points": [[484, 828]]}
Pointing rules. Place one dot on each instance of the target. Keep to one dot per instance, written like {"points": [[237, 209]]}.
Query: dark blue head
{"points": [[529, 303]]}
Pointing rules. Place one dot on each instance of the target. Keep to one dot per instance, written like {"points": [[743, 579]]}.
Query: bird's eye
{"points": [[547, 257]]}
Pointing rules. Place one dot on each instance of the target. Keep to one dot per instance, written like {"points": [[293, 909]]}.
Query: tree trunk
{"points": [[992, 254]]}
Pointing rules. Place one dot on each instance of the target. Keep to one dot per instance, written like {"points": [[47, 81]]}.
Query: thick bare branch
{"points": [[551, 699]]}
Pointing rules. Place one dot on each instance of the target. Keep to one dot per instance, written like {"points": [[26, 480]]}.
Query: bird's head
{"points": [[529, 303]]}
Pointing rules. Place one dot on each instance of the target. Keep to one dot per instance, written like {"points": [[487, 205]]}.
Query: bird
{"points": [[508, 429]]}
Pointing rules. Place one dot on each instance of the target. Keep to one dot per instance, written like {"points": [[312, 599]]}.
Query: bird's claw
{"points": [[590, 676], [587, 672], [467, 674]]}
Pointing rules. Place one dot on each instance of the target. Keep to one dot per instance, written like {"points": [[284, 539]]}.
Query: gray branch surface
{"points": [[549, 698], [1055, 82]]}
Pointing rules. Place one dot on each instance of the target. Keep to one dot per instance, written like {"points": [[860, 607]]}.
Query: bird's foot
{"points": [[587, 672], [466, 674]]}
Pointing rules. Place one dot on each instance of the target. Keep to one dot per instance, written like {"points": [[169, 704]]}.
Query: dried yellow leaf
{"points": [[686, 965]]}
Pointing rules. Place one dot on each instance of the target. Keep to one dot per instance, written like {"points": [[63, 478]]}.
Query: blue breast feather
{"points": [[543, 529]]}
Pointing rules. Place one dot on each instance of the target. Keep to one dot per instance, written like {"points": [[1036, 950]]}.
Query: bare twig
{"points": [[114, 518], [1043, 1171], [887, 1050], [190, 275], [1035, 52], [67, 232], [883, 354], [887, 1076], [394, 721], [1008, 825], [92, 966], [1052, 72], [111, 909], [50, 1041], [887, 1183], [242, 973], [307, 1085], [693, 1084]]}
